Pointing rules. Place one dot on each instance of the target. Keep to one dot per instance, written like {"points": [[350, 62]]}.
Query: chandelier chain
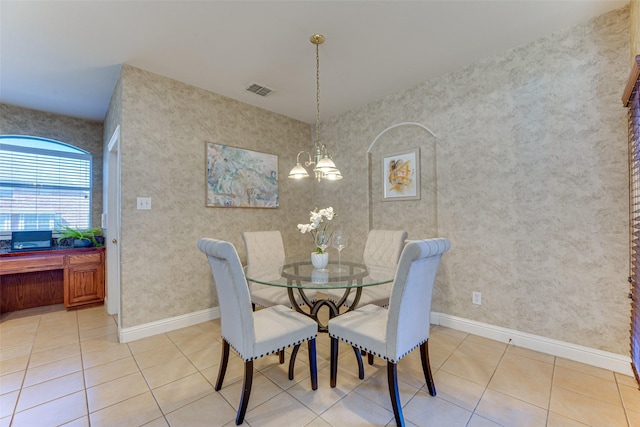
{"points": [[323, 165], [317, 94]]}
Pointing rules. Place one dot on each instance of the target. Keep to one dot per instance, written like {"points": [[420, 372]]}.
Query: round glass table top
{"points": [[302, 275]]}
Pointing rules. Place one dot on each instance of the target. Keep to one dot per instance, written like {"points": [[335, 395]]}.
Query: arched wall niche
{"points": [[418, 217]]}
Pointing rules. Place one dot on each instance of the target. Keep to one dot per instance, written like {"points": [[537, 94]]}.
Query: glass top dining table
{"points": [[300, 275]]}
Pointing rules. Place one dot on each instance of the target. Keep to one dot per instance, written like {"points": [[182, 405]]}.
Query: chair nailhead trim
{"points": [[376, 354], [248, 359]]}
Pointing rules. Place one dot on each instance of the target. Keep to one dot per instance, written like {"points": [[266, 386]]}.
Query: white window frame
{"points": [[57, 160]]}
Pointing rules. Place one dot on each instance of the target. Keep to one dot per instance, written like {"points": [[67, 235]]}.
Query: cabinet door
{"points": [[85, 282]]}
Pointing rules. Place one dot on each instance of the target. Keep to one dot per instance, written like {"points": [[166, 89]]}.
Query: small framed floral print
{"points": [[401, 175]]}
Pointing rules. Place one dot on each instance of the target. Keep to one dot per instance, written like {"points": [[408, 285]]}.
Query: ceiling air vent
{"points": [[259, 89]]}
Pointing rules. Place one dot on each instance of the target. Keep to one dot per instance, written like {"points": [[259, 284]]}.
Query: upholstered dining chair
{"points": [[265, 252], [252, 334], [381, 253], [394, 332]]}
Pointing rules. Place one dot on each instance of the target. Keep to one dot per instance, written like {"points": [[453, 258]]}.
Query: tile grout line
{"points": [[116, 403], [22, 387], [475, 408], [84, 379], [175, 343], [33, 357], [626, 413], [442, 364], [26, 369], [147, 381], [553, 373]]}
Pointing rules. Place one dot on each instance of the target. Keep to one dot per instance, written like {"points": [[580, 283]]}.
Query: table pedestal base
{"points": [[334, 310]]}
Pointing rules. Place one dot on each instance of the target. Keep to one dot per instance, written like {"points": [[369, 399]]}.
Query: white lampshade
{"points": [[298, 172], [325, 165], [332, 176]]}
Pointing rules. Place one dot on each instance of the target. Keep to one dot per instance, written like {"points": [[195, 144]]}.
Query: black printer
{"points": [[22, 241]]}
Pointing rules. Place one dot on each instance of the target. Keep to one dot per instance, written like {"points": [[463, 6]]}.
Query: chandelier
{"points": [[323, 165]]}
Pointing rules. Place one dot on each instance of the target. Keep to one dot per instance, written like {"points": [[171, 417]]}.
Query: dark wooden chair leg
{"points": [[281, 355], [313, 366], [246, 391], [334, 362], [224, 360], [292, 360], [426, 367], [392, 378], [360, 364], [369, 357]]}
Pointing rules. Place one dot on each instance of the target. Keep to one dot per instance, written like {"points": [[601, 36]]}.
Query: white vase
{"points": [[319, 260], [320, 275]]}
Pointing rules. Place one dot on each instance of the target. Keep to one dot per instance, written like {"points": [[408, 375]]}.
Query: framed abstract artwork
{"points": [[401, 175], [239, 178]]}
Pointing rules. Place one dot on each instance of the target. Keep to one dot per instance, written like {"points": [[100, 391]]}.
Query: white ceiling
{"points": [[65, 56]]}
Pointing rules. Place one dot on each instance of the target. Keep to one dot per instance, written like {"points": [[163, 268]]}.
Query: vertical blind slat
{"points": [[634, 224]]}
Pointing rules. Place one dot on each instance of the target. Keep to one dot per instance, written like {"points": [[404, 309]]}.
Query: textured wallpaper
{"points": [[165, 125], [527, 176], [529, 171], [634, 25], [84, 134]]}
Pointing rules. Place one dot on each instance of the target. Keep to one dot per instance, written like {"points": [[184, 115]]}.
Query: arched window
{"points": [[44, 185]]}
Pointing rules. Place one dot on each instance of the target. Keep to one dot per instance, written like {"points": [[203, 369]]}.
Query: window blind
{"points": [[631, 99], [44, 185]]}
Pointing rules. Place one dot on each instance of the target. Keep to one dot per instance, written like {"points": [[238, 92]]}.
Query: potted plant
{"points": [[320, 234], [81, 238]]}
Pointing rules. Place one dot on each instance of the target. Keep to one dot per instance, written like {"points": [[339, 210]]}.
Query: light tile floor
{"points": [[67, 368]]}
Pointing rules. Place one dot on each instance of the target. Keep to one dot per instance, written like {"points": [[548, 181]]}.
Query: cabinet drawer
{"points": [[84, 259], [31, 263]]}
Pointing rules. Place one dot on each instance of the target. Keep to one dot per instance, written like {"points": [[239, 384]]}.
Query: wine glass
{"points": [[339, 242], [322, 239]]}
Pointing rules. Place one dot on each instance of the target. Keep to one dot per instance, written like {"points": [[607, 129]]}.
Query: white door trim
{"points": [[112, 241]]}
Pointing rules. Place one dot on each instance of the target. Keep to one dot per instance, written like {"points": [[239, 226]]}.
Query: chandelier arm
{"points": [[307, 162]]}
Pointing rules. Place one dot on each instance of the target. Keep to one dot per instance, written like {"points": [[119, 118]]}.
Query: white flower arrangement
{"points": [[316, 218]]}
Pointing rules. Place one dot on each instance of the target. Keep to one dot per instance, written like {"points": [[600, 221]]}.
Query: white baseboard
{"points": [[590, 356], [166, 325]]}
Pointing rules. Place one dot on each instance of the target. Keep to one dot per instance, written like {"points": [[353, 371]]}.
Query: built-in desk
{"points": [[74, 277]]}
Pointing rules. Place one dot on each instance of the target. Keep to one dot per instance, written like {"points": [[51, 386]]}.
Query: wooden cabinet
{"points": [[72, 276], [84, 276]]}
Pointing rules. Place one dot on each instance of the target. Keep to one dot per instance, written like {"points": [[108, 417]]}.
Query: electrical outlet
{"points": [[476, 298], [144, 203]]}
